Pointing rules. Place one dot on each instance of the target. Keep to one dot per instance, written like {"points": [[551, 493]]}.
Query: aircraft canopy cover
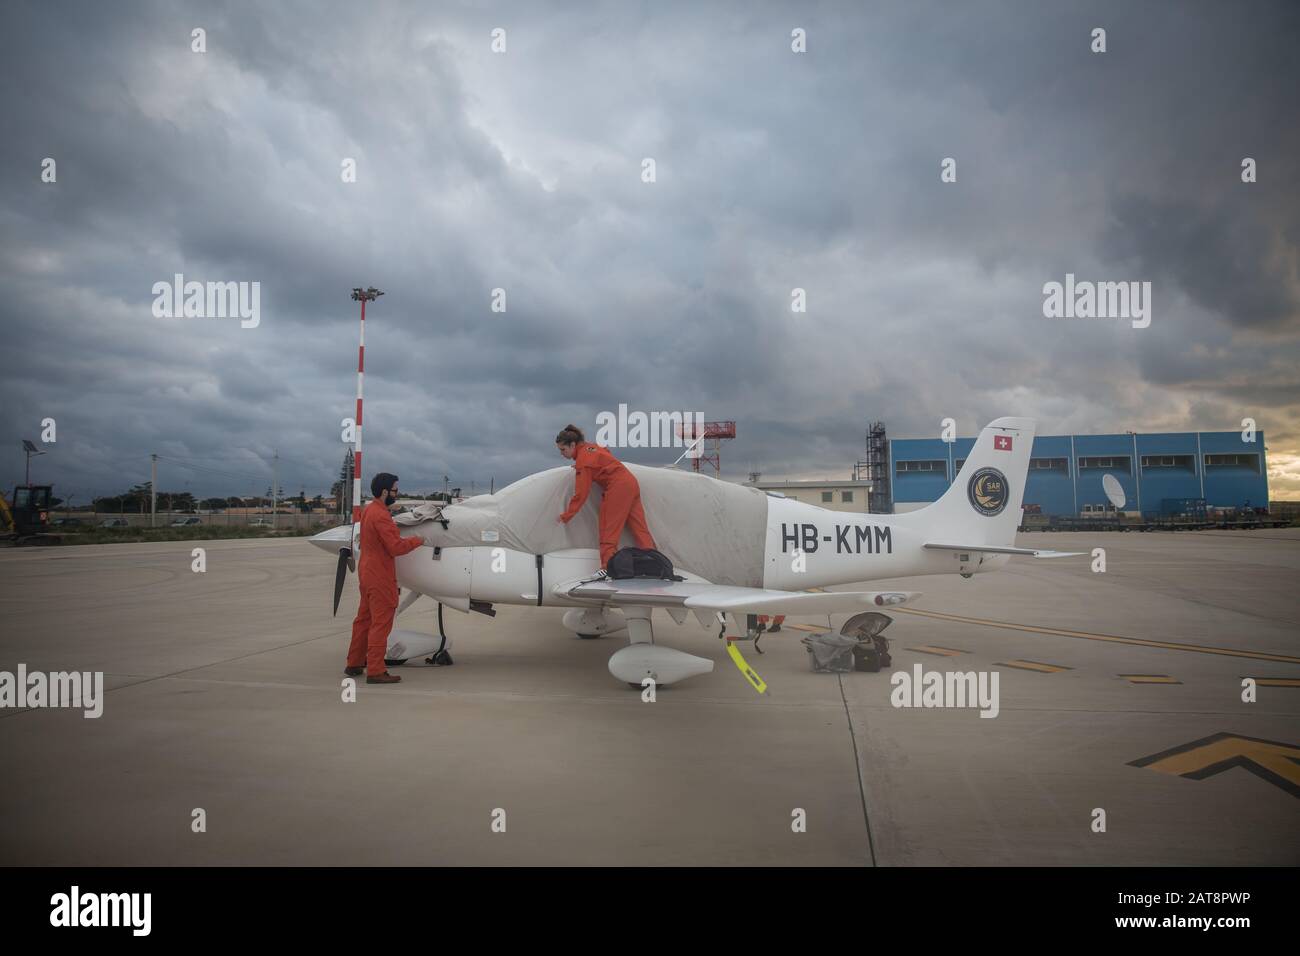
{"points": [[709, 527]]}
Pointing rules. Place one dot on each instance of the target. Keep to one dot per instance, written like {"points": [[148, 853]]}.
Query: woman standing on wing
{"points": [[621, 503]]}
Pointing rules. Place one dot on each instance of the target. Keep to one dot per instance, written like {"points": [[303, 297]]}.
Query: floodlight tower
{"points": [[363, 296], [714, 433], [30, 449]]}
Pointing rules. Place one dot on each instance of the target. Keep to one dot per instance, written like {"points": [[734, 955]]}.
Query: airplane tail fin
{"points": [[982, 506]]}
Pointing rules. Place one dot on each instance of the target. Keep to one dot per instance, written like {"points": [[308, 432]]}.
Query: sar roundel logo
{"points": [[988, 491]]}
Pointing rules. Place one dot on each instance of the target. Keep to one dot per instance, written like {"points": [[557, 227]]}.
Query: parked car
{"points": [[67, 523], [185, 522], [115, 523], [260, 523]]}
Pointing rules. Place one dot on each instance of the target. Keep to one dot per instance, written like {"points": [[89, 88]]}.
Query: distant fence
{"points": [[283, 521]]}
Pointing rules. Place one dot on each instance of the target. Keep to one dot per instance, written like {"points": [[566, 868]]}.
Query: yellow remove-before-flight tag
{"points": [[745, 669]]}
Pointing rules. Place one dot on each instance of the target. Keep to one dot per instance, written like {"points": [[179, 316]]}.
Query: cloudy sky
{"points": [[522, 170]]}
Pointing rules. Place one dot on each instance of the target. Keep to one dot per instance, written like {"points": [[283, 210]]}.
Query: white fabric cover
{"points": [[709, 527]]}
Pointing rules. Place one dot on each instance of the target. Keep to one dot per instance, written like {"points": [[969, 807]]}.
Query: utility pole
{"points": [[1137, 471], [153, 490], [345, 498], [275, 472]]}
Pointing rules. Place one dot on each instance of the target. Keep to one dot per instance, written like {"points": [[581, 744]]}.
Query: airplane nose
{"points": [[333, 539]]}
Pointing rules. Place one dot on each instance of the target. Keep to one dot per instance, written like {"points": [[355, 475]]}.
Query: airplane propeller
{"points": [[340, 573], [408, 601]]}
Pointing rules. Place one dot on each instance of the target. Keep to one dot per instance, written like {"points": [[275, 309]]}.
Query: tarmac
{"points": [[1122, 736]]}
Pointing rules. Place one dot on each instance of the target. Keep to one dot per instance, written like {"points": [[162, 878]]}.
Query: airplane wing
{"points": [[994, 549], [701, 596]]}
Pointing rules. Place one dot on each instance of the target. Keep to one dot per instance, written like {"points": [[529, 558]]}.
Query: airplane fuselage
{"points": [[804, 547]]}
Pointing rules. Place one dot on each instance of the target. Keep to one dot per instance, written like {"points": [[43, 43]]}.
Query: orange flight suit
{"points": [[620, 505], [380, 543]]}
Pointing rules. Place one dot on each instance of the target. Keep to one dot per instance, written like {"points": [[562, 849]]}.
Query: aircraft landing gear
{"points": [[405, 646], [440, 657], [591, 623]]}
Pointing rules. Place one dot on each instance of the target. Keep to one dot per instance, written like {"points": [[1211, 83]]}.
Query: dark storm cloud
{"points": [[1235, 265], [522, 171]]}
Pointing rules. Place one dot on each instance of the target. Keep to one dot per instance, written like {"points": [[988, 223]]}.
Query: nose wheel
{"points": [[440, 657]]}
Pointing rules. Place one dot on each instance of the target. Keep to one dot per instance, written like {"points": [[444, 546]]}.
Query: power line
{"points": [[259, 459], [215, 471]]}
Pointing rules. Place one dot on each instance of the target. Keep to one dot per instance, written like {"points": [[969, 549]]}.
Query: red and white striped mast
{"points": [[363, 296]]}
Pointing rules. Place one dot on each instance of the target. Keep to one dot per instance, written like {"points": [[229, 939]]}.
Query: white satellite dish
{"points": [[1114, 491]]}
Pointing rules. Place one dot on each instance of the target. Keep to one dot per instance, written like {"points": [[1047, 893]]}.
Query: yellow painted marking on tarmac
{"points": [[811, 628], [1150, 679], [1110, 638], [1276, 681], [937, 650], [1270, 760], [1035, 666], [753, 678]]}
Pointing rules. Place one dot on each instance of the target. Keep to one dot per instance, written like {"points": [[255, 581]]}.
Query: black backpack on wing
{"points": [[641, 563]]}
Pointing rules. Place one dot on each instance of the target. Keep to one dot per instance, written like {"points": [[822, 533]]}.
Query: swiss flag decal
{"points": [[1002, 442]]}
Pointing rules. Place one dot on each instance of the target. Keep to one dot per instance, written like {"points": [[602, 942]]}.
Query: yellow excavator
{"points": [[27, 516]]}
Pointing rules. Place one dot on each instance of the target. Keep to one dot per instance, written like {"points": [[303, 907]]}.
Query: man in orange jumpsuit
{"points": [[380, 543], [621, 503]]}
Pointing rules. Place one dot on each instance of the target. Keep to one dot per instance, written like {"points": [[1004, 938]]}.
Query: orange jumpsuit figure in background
{"points": [[621, 503], [380, 543]]}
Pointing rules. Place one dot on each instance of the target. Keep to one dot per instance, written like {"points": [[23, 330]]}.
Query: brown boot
{"points": [[353, 671], [384, 678]]}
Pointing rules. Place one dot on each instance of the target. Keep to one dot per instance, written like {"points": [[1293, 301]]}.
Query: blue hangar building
{"points": [[1065, 470]]}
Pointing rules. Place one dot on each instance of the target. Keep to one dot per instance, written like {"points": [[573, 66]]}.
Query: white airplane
{"points": [[741, 551]]}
